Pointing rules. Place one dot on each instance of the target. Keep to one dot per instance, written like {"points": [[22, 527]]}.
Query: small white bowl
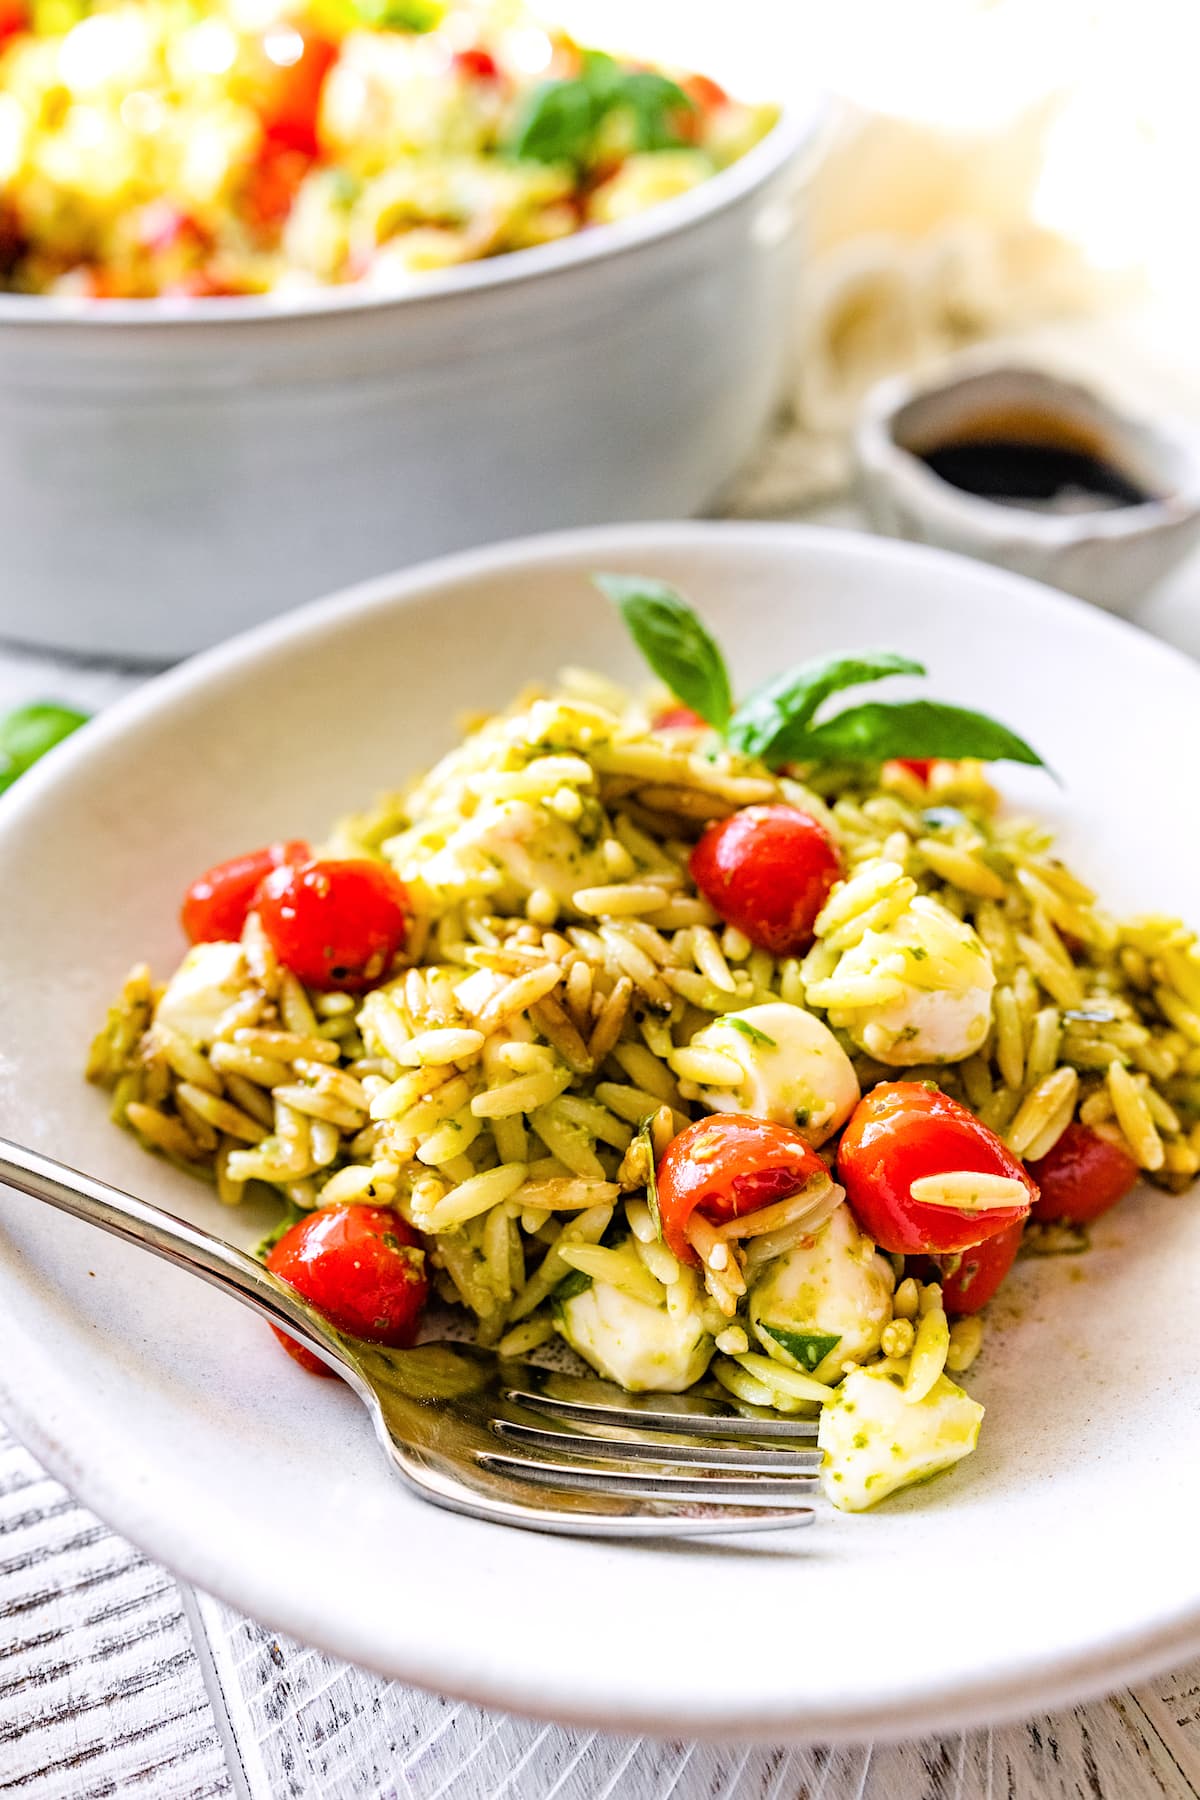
{"points": [[1110, 557], [172, 472]]}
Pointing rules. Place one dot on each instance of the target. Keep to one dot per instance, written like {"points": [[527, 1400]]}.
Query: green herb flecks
{"points": [[744, 1028], [27, 733], [779, 722], [264, 1248], [806, 1348]]}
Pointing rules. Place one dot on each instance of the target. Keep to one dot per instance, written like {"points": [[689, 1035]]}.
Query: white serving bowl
{"points": [[174, 471], [1058, 1560]]}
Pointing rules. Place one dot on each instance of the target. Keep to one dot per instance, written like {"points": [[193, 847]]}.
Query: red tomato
{"points": [[768, 871], [215, 906], [726, 1166], [335, 924], [476, 64], [1081, 1177], [161, 226], [677, 718], [916, 765], [706, 93], [289, 92], [362, 1267], [903, 1130], [14, 17], [272, 184], [974, 1275]]}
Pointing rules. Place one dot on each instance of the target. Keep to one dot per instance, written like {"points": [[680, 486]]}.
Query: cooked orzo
{"points": [[687, 1037]]}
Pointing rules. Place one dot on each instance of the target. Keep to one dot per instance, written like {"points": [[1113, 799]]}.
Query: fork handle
{"points": [[175, 1240]]}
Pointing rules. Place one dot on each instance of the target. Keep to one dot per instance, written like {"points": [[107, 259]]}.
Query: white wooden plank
{"points": [[100, 1691]]}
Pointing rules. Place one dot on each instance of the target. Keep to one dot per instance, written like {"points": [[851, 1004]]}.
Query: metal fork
{"points": [[497, 1439]]}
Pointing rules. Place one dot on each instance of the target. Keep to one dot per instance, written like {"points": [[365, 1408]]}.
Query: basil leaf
{"points": [[749, 1031], [674, 642], [28, 732], [786, 703], [880, 729], [570, 1285], [556, 124], [644, 1136], [808, 1348], [657, 104]]}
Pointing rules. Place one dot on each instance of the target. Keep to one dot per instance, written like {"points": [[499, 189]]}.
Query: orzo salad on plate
{"points": [[737, 1044], [194, 148]]}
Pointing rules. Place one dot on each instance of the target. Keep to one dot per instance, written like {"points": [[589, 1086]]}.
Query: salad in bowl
{"points": [[746, 1044], [152, 148]]}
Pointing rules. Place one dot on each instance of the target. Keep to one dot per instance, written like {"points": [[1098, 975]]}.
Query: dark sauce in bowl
{"points": [[1042, 476]]}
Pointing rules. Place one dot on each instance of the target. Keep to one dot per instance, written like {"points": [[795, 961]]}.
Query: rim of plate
{"points": [[798, 127], [1039, 1683]]}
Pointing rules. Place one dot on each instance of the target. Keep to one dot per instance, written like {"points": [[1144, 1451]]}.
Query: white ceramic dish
{"points": [[172, 472], [1111, 558], [1057, 1562]]}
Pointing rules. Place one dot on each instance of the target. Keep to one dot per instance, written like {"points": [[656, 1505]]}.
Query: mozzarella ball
{"points": [[642, 1347], [793, 1070], [832, 1285], [918, 991]]}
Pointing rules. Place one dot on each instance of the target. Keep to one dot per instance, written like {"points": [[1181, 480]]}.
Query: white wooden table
{"points": [[117, 1680]]}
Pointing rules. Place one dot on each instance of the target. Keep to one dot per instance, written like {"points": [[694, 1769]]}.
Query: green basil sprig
{"points": [[778, 722], [560, 120], [28, 732]]}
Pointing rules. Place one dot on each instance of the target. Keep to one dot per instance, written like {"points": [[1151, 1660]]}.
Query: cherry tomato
{"points": [[971, 1278], [288, 96], [902, 1131], [706, 93], [1082, 1176], [215, 906], [726, 1166], [335, 924], [272, 183], [362, 1267], [919, 766], [677, 718], [14, 17], [768, 871], [476, 64]]}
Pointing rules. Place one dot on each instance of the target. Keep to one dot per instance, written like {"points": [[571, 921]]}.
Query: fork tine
{"points": [[612, 1478], [706, 1424], [633, 1449]]}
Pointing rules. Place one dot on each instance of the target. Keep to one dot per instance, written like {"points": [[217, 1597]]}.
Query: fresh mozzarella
{"points": [[832, 1285], [933, 982], [206, 983], [875, 1440], [645, 1348], [794, 1071]]}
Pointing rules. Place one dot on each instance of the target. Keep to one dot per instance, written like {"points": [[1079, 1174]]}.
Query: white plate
{"points": [[1058, 1561]]}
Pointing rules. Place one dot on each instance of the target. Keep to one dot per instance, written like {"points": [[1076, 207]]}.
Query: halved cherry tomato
{"points": [[215, 906], [288, 93], [476, 64], [677, 718], [767, 870], [335, 924], [362, 1266], [725, 1167], [272, 183], [971, 1278], [902, 1131], [1081, 1177]]}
